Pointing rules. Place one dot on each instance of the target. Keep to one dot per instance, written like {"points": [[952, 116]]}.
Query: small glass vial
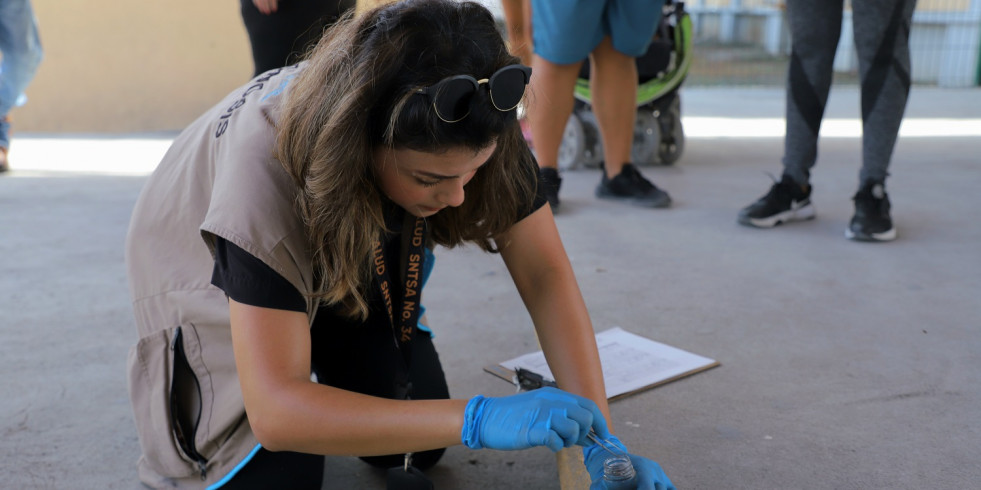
{"points": [[619, 472]]}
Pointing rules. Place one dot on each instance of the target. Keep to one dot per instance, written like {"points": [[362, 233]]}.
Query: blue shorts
{"points": [[566, 31]]}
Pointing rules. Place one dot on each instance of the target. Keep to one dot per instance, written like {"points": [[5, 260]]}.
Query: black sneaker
{"points": [[871, 222], [552, 182], [630, 185], [787, 201]]}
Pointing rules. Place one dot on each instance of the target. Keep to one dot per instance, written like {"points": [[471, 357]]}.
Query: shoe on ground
{"points": [[787, 201], [631, 186], [4, 166], [871, 222], [552, 183]]}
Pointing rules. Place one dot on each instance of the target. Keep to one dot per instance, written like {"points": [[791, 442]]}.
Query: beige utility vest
{"points": [[219, 178]]}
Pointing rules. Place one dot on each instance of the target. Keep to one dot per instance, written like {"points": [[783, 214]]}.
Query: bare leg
{"points": [[549, 106], [517, 15], [614, 89]]}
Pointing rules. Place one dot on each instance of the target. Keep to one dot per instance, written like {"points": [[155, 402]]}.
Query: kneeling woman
{"points": [[276, 259]]}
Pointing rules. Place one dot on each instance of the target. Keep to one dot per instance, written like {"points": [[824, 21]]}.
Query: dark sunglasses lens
{"points": [[453, 99], [507, 89]]}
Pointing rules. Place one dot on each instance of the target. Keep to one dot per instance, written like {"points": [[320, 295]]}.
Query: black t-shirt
{"points": [[248, 280]]}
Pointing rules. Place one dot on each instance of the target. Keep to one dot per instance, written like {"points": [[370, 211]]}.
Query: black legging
{"points": [[283, 469], [284, 36], [357, 358], [881, 31]]}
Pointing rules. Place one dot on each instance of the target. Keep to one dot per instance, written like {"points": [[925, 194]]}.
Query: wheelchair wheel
{"points": [[647, 137], [672, 134], [593, 154], [573, 147]]}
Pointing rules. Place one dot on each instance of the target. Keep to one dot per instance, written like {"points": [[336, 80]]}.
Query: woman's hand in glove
{"points": [[650, 476], [543, 417]]}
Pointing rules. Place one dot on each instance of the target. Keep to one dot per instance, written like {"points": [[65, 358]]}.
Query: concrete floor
{"points": [[844, 365]]}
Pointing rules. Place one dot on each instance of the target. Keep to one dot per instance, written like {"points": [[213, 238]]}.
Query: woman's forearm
{"points": [[304, 416], [566, 335], [544, 277], [288, 411]]}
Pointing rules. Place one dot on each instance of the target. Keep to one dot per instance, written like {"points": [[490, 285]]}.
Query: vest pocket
{"points": [[151, 371], [185, 403], [168, 403]]}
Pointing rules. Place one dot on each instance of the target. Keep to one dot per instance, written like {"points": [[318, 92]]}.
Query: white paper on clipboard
{"points": [[630, 362]]}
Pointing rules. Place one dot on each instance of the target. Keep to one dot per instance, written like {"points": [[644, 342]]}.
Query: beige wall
{"points": [[122, 66], [136, 65]]}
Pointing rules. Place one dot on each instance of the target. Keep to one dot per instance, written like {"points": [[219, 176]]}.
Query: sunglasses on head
{"points": [[451, 96]]}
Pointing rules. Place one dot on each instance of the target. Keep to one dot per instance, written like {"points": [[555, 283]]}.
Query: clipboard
{"points": [[631, 364]]}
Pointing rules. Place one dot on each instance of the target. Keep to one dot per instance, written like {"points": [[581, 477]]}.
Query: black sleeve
{"points": [[250, 281], [539, 199]]}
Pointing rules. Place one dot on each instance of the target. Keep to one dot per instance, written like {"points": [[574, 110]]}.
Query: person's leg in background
{"points": [[549, 108], [563, 35], [20, 46], [517, 17], [284, 36], [881, 29], [814, 30], [613, 85]]}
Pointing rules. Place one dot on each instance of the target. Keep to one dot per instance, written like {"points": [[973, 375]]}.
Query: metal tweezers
{"points": [[527, 380]]}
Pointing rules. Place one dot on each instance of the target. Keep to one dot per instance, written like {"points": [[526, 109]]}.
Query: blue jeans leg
{"points": [[21, 48]]}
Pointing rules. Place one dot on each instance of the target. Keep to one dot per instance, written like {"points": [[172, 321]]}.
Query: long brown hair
{"points": [[357, 92]]}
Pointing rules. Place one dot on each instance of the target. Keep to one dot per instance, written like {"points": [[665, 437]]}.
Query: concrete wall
{"points": [[125, 66]]}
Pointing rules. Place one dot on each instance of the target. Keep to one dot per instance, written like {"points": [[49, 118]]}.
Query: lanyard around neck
{"points": [[413, 255]]}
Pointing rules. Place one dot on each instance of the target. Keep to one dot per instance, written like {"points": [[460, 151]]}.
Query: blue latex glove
{"points": [[650, 476], [543, 417]]}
